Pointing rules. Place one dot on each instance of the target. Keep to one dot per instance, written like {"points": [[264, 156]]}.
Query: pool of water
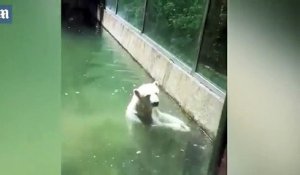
{"points": [[98, 77]]}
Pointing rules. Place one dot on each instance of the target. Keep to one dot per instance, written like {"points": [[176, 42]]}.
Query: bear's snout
{"points": [[155, 104], [154, 100]]}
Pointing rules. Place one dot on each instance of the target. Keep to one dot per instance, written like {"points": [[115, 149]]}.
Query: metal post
{"points": [[144, 16], [117, 6], [194, 69]]}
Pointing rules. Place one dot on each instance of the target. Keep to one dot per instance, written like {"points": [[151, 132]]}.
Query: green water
{"points": [[98, 77], [29, 89]]}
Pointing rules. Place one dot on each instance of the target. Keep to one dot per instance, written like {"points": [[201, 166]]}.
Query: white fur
{"points": [[154, 137], [141, 105]]}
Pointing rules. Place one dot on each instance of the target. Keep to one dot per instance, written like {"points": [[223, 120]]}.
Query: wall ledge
{"points": [[196, 99]]}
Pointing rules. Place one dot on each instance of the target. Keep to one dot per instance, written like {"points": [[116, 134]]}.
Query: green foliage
{"points": [[132, 11], [213, 63], [176, 25], [184, 17], [179, 18]]}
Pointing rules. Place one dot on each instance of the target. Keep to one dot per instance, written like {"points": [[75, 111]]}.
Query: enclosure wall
{"points": [[203, 105]]}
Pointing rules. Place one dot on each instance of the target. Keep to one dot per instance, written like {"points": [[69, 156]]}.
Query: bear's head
{"points": [[148, 94]]}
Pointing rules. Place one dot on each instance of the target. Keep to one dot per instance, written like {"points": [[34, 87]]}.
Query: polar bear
{"points": [[155, 135], [143, 110]]}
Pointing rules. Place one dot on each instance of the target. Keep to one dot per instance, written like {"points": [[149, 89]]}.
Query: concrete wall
{"points": [[197, 100]]}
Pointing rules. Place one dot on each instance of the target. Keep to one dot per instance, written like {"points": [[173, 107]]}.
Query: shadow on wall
{"points": [[87, 12], [223, 164]]}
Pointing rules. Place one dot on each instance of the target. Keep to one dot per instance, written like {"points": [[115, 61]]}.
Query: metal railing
{"points": [[192, 70]]}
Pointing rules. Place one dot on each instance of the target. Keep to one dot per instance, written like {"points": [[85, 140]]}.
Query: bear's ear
{"points": [[156, 83], [137, 93]]}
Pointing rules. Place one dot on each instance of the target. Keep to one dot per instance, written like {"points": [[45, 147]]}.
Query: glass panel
{"points": [[132, 11], [176, 24], [213, 53], [111, 4]]}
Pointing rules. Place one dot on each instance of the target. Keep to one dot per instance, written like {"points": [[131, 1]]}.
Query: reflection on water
{"points": [[97, 83]]}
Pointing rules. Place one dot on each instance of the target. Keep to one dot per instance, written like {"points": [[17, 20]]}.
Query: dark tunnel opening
{"points": [[82, 12]]}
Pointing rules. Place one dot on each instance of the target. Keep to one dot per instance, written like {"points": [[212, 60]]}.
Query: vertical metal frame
{"points": [[190, 69], [117, 6], [194, 69], [215, 88], [144, 16]]}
